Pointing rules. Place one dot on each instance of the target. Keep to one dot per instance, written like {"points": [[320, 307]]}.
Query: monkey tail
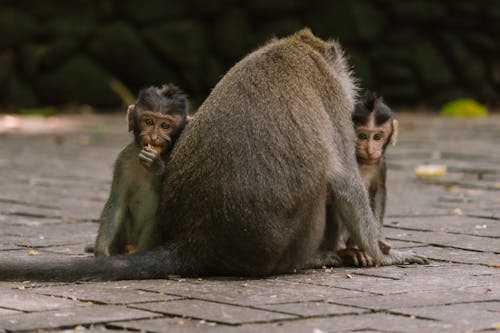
{"points": [[155, 264]]}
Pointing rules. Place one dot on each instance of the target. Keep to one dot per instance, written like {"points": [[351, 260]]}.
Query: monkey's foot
{"points": [[324, 258], [384, 246], [356, 257], [400, 258]]}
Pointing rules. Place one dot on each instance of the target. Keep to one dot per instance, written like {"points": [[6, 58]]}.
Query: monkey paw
{"points": [[356, 257], [151, 160], [401, 258]]}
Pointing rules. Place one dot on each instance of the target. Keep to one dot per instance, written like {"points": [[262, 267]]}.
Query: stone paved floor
{"points": [[55, 177]]}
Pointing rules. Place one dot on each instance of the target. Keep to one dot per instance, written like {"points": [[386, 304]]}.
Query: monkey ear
{"points": [[188, 119], [130, 117], [394, 135]]}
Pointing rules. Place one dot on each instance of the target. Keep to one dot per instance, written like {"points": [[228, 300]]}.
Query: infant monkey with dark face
{"points": [[375, 129], [128, 220]]}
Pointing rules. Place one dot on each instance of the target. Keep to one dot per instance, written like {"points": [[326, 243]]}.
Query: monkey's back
{"points": [[245, 187]]}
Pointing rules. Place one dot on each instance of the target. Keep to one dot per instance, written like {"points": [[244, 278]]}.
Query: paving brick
{"points": [[23, 300], [467, 242], [70, 317], [474, 316], [253, 292], [53, 234], [369, 322], [459, 256], [414, 299], [453, 224], [310, 309], [176, 325], [398, 244], [411, 278], [217, 312], [104, 293], [4, 312], [82, 329]]}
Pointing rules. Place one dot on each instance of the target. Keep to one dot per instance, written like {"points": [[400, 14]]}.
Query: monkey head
{"points": [[158, 116], [375, 128]]}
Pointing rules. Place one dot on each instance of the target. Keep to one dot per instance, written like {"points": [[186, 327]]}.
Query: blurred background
{"points": [[56, 53]]}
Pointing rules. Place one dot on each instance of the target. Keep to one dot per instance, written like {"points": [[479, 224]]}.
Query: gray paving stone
{"points": [[311, 309], [398, 244], [28, 284], [452, 224], [369, 322], [26, 220], [418, 299], [217, 312], [9, 244], [69, 249], [82, 329], [4, 312], [37, 253], [254, 292], [411, 279], [467, 242], [70, 317], [50, 235], [459, 256], [23, 300], [103, 293], [176, 325], [29, 210], [492, 289], [475, 316]]}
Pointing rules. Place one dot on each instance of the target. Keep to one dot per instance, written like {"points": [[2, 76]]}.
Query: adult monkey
{"points": [[244, 191]]}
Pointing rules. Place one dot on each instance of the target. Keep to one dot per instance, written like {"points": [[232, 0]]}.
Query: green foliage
{"points": [[46, 111], [464, 107]]}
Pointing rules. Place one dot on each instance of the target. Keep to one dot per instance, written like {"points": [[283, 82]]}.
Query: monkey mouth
{"points": [[157, 148]]}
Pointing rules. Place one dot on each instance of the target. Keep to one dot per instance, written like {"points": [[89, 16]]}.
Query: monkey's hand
{"points": [[394, 257], [355, 257], [151, 160]]}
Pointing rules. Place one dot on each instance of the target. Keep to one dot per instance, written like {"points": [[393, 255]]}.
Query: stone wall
{"points": [[414, 52]]}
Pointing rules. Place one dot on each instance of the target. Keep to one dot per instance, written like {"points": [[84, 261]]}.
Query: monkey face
{"points": [[157, 129], [371, 141]]}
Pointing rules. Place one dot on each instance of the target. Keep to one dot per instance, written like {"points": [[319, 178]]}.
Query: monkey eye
{"points": [[362, 136], [377, 137], [148, 122], [165, 125]]}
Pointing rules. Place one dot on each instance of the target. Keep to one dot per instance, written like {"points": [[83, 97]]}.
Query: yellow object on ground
{"points": [[430, 171], [464, 107]]}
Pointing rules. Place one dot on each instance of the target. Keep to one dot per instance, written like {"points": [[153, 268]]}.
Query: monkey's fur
{"points": [[128, 220], [244, 190]]}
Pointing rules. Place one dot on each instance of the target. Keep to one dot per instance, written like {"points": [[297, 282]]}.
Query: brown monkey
{"points": [[244, 189], [128, 222], [375, 129]]}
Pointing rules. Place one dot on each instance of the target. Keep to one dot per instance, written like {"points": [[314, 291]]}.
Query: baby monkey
{"points": [[375, 129], [128, 219]]}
